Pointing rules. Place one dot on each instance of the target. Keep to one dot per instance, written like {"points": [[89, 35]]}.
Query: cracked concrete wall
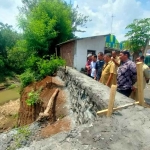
{"points": [[87, 96]]}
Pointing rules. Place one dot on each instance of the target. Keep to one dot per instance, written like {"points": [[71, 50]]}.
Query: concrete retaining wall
{"points": [[87, 96]]}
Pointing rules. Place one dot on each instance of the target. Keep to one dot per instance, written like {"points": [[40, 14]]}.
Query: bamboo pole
{"points": [[117, 108], [111, 100], [140, 93]]}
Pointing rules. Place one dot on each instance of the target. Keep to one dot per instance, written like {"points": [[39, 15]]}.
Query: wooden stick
{"points": [[49, 106], [117, 108], [111, 100], [139, 67]]}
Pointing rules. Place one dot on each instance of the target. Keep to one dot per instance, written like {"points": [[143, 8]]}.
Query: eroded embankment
{"points": [[28, 114]]}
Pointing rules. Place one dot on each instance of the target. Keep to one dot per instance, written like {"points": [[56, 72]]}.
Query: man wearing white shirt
{"points": [[93, 64]]}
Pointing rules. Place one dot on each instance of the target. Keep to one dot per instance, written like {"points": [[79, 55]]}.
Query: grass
{"points": [[22, 135], [12, 86]]}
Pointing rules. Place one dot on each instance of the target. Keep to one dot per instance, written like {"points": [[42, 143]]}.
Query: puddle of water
{"points": [[7, 95]]}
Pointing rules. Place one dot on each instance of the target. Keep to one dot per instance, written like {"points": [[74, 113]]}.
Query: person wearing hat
{"points": [[88, 64], [127, 74]]}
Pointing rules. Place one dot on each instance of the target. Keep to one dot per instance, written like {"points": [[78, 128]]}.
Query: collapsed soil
{"points": [[56, 118]]}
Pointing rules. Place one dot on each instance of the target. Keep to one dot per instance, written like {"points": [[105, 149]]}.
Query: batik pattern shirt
{"points": [[126, 75]]}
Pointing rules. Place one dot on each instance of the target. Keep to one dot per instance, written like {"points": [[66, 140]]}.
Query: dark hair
{"points": [[101, 53], [108, 54], [95, 56], [125, 53], [142, 57]]}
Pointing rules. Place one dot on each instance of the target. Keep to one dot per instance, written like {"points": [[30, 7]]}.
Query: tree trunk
{"points": [[135, 55]]}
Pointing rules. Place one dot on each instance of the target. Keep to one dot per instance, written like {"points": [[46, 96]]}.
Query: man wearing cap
{"points": [[126, 74], [88, 64]]}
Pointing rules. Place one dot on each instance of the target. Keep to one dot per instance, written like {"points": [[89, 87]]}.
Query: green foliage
{"points": [[33, 97], [49, 67], [12, 86], [26, 78], [17, 55], [8, 38], [1, 64], [32, 61], [21, 136], [2, 69], [44, 26], [138, 34], [39, 68]]}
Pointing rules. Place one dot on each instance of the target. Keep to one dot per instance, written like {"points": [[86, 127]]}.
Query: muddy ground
{"points": [[54, 124]]}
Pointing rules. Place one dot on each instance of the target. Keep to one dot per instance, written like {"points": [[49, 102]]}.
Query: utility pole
{"points": [[112, 23]]}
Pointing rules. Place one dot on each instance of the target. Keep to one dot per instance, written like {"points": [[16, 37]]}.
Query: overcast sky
{"points": [[99, 11]]}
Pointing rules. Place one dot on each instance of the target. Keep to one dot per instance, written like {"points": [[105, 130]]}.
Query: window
{"points": [[91, 52]]}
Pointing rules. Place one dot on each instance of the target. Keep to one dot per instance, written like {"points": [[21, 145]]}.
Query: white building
{"points": [[75, 51]]}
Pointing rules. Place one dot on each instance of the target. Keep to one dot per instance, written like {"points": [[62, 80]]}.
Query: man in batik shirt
{"points": [[126, 74]]}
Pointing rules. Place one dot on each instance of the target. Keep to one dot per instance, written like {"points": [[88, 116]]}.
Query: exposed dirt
{"points": [[56, 119], [8, 115], [60, 125]]}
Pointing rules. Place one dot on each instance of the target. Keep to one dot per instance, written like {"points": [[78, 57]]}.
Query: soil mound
{"points": [[8, 115], [28, 114]]}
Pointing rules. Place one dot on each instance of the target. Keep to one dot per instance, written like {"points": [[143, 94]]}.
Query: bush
{"points": [[26, 78], [16, 56], [49, 67], [12, 86], [33, 97], [39, 68], [32, 61]]}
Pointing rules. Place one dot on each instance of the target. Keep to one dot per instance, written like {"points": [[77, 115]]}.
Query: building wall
{"points": [[93, 43], [67, 52]]}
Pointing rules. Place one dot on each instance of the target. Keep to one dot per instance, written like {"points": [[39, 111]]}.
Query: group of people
{"points": [[117, 69]]}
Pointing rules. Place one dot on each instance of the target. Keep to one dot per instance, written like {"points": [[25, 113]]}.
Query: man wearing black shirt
{"points": [[99, 66]]}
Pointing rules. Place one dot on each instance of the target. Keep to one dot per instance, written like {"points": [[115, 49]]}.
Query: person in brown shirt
{"points": [[108, 71]]}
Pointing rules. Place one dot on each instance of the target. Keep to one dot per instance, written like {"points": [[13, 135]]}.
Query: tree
{"points": [[138, 35], [8, 38], [17, 57], [46, 23]]}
